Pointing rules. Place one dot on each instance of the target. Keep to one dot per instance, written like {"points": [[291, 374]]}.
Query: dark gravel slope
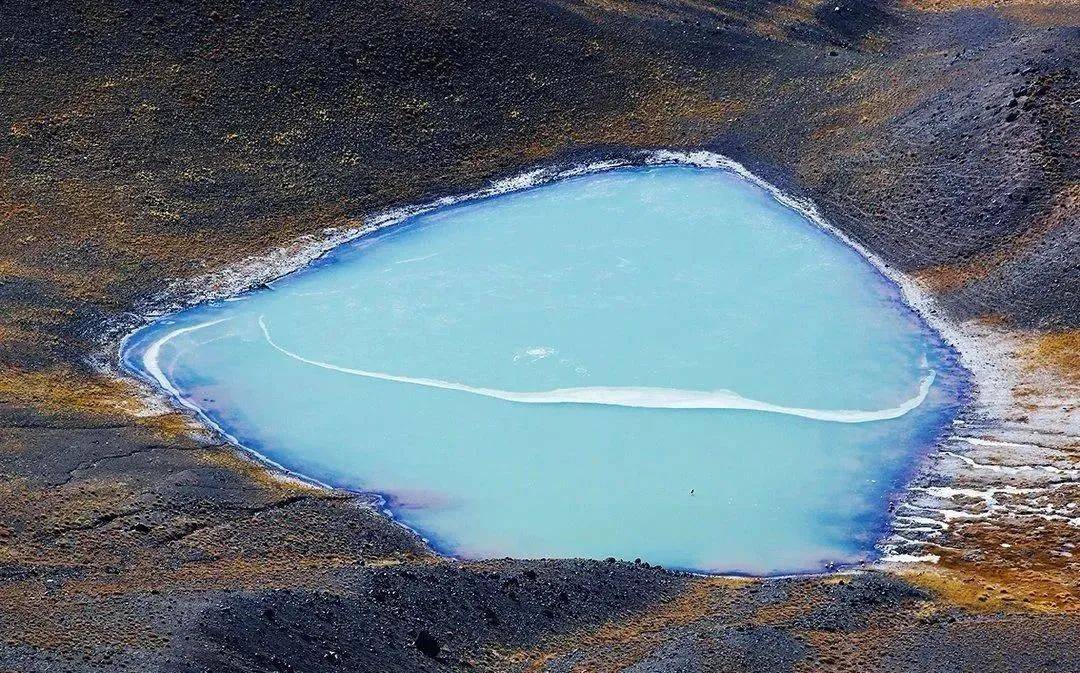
{"points": [[156, 141]]}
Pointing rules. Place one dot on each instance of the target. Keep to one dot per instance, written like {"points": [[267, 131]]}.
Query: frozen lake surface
{"points": [[663, 363]]}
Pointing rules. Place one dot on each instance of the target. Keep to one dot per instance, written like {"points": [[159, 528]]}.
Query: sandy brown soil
{"points": [[147, 148]]}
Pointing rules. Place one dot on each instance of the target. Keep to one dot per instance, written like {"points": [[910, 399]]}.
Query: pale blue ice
{"points": [[663, 363]]}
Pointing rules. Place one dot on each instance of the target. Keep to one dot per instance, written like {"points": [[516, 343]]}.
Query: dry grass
{"points": [[33, 616], [645, 9], [781, 18], [987, 588], [1057, 351], [230, 460], [1064, 208], [662, 112], [772, 20], [618, 644], [68, 391], [1038, 12], [282, 571]]}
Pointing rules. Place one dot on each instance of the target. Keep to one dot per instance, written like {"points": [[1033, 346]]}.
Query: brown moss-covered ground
{"points": [[147, 144]]}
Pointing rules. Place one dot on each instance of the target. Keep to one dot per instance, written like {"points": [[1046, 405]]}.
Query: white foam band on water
{"points": [[152, 366], [640, 397], [153, 353]]}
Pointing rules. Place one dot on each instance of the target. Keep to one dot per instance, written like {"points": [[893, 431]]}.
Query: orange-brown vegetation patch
{"points": [[946, 278], [34, 615], [104, 610], [801, 598], [773, 20], [781, 18], [1022, 556], [662, 112], [66, 390], [228, 458], [650, 9], [1008, 564], [15, 334], [41, 249], [253, 573], [831, 649], [56, 526], [123, 238], [880, 95], [619, 643], [991, 588], [863, 104], [1063, 209], [1058, 351], [1038, 12]]}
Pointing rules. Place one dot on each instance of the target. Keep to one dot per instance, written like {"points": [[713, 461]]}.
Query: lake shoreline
{"points": [[165, 142], [258, 273]]}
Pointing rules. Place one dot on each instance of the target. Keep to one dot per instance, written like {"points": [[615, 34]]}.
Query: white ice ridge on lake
{"points": [[640, 397], [153, 352]]}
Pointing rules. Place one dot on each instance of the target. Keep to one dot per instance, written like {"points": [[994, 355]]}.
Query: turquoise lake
{"points": [[657, 362]]}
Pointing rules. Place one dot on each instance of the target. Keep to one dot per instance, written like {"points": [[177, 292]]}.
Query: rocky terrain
{"points": [[147, 149]]}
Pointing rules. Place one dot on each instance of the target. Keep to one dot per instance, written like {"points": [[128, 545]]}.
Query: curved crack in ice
{"points": [[627, 396]]}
